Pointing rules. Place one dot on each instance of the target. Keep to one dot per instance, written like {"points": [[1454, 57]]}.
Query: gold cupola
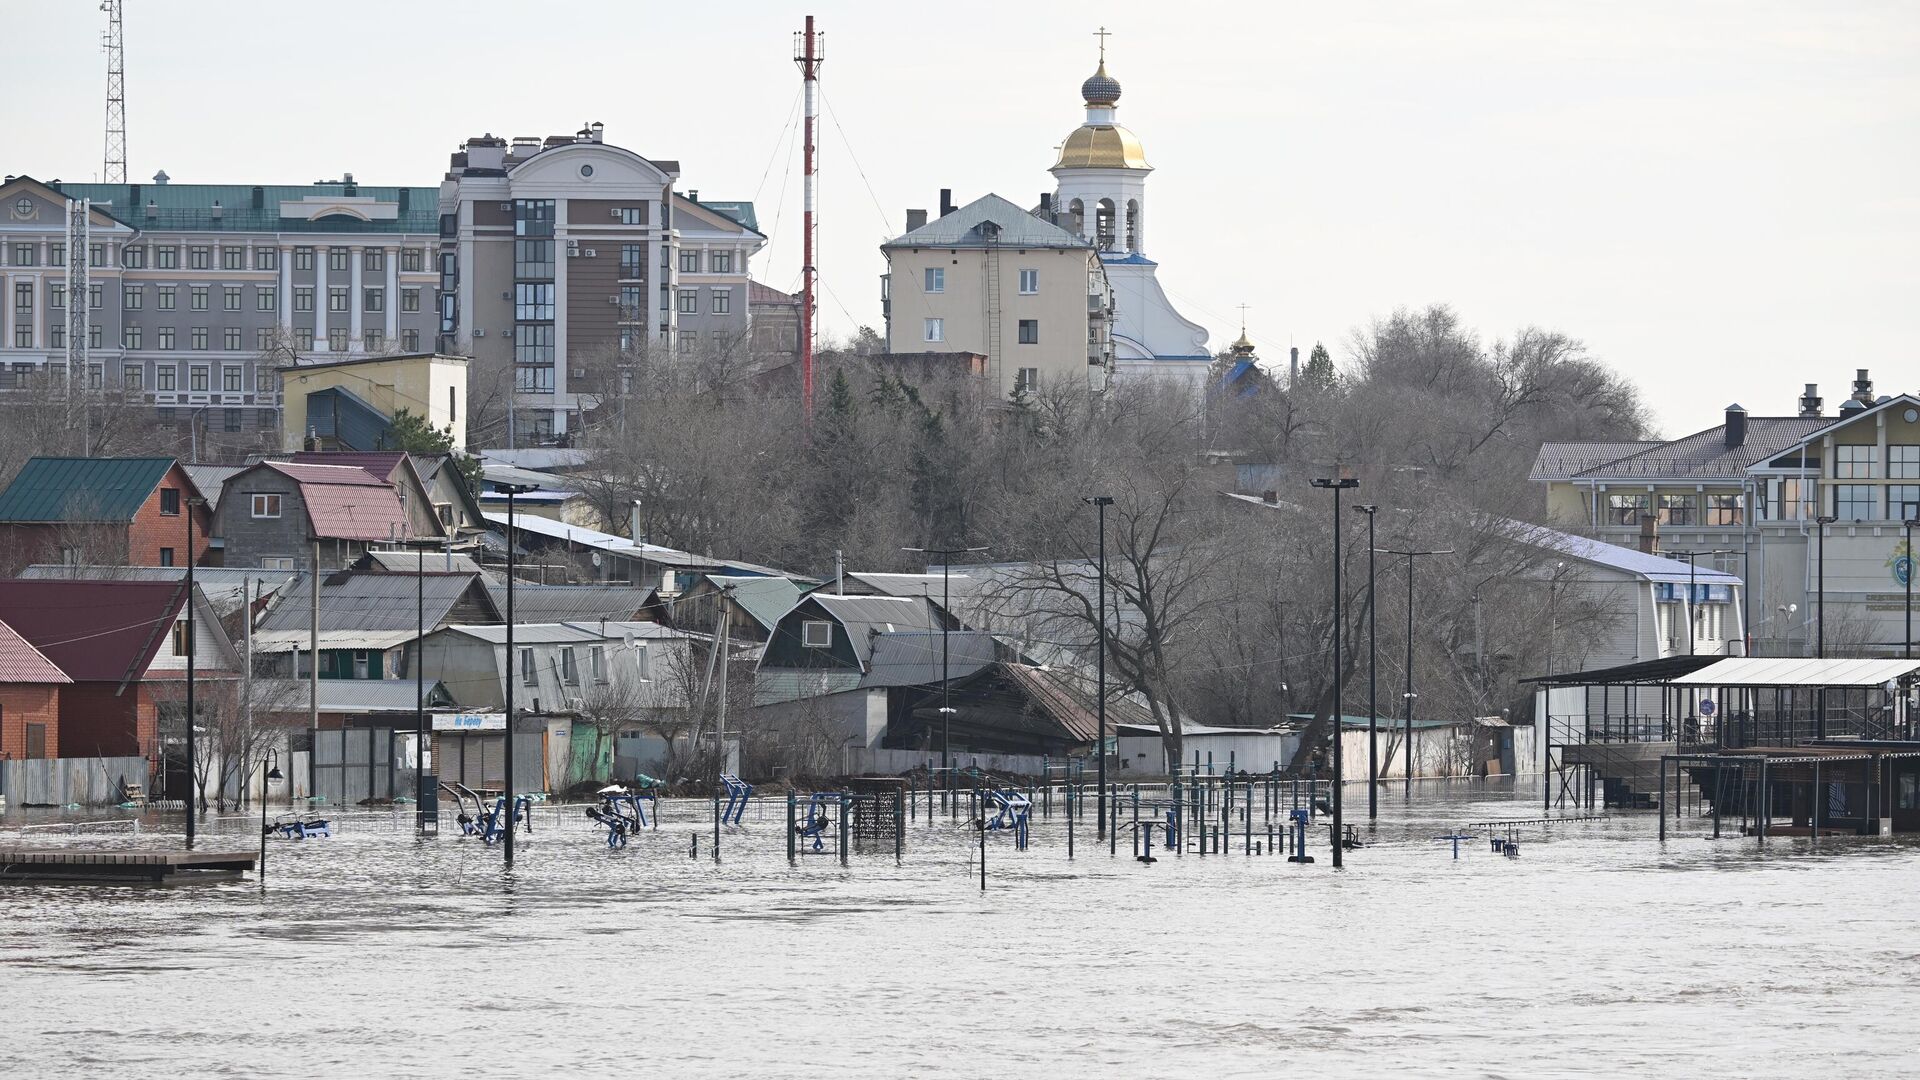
{"points": [[1100, 143]]}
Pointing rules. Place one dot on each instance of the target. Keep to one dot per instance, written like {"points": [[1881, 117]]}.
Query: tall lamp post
{"points": [[1820, 625], [1373, 676], [1407, 699], [1344, 483], [269, 770], [511, 490], [1100, 504], [946, 617], [193, 631], [420, 548]]}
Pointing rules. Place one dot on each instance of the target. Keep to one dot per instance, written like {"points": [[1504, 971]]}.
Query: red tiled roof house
{"points": [[29, 699]]}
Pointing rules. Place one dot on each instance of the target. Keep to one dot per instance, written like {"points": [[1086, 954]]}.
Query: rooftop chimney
{"points": [[693, 194], [1810, 401], [1862, 387], [916, 219], [1736, 426], [1046, 206], [599, 131], [946, 201], [485, 152], [1649, 533], [1293, 365], [160, 178], [218, 210]]}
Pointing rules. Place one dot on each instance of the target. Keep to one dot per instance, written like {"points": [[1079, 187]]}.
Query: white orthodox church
{"points": [[1102, 196]]}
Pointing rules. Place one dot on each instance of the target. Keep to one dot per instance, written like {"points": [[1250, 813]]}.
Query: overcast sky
{"points": [[1720, 199]]}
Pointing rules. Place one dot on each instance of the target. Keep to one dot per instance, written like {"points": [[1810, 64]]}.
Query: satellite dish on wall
{"points": [[596, 558]]}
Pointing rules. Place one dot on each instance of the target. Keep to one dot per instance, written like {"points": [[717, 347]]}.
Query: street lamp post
{"points": [[193, 631], [1345, 483], [1100, 504], [1909, 524], [1373, 677], [507, 807], [1407, 698], [1820, 626], [269, 770], [946, 616]]}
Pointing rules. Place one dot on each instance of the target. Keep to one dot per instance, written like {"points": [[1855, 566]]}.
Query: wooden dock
{"points": [[118, 864]]}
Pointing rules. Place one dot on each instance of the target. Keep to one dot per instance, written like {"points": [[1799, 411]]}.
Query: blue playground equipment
{"points": [[817, 822], [1299, 818], [623, 812], [1456, 838], [1172, 830], [487, 822], [1011, 811], [738, 792], [298, 828]]}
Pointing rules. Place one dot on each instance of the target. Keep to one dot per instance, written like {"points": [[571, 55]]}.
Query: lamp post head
{"points": [[1826, 519], [1098, 500], [1344, 483], [1367, 508]]}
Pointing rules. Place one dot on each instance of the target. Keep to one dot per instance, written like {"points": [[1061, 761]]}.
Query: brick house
{"points": [[29, 699], [272, 515], [114, 511], [123, 646]]}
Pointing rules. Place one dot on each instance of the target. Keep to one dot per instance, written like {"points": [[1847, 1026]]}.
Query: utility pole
{"points": [[1407, 699], [810, 53], [193, 631], [114, 167], [507, 807], [1373, 676], [1100, 504], [946, 620], [1345, 483]]}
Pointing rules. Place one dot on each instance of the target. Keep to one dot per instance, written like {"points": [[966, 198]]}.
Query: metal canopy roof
{"points": [[1666, 669], [1798, 671]]}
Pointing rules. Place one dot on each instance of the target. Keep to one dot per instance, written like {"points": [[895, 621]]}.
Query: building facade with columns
{"points": [[198, 292]]}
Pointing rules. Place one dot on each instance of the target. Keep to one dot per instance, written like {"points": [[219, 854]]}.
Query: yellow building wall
{"points": [[431, 386]]}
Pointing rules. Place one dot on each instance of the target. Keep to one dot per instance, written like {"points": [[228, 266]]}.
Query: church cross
{"points": [[1103, 34]]}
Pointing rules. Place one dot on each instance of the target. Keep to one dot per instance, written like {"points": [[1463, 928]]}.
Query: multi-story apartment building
{"points": [[197, 292], [1749, 494], [993, 279], [560, 257]]}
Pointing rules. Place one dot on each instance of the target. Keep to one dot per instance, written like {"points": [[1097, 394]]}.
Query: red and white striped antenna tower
{"points": [[809, 52]]}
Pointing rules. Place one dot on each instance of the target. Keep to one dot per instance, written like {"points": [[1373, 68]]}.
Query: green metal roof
{"points": [[189, 207], [741, 212], [81, 489]]}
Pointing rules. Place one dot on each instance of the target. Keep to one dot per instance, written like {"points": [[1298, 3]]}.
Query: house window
{"points": [[166, 556], [266, 258], [412, 260], [689, 301], [133, 298], [230, 420], [1029, 282], [690, 261], [233, 258], [230, 378], [1626, 509], [375, 340], [374, 300], [336, 298], [302, 338], [569, 670], [230, 298], [720, 262], [162, 375], [166, 257], [337, 339], [1679, 509], [633, 260], [936, 279], [56, 295], [723, 301], [130, 377], [816, 634], [633, 215], [1026, 380], [1853, 462], [337, 259], [276, 562], [1903, 462], [376, 259], [409, 299], [303, 258], [197, 339], [134, 258], [232, 338], [1903, 502], [170, 501], [197, 299], [197, 379], [934, 329], [163, 298], [362, 664], [1855, 502], [597, 662], [410, 341], [529, 675], [166, 337], [1029, 331], [197, 258], [303, 298], [266, 504]]}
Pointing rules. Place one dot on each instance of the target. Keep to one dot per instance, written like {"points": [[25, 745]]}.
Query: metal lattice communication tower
{"points": [[114, 170]]}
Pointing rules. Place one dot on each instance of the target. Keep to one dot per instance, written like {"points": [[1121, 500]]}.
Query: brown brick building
{"points": [[29, 699], [112, 511]]}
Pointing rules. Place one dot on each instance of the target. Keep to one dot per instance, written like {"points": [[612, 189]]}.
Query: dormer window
{"points": [[816, 634]]}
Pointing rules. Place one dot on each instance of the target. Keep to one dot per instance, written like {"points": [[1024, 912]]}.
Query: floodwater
{"points": [[1597, 952]]}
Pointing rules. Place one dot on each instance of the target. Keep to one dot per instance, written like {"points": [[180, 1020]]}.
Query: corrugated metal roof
{"points": [[222, 586], [348, 695], [564, 603], [741, 212], [20, 662], [962, 228], [913, 659], [338, 475], [409, 562], [373, 602], [189, 207], [96, 631], [210, 479], [763, 599], [344, 502], [1798, 671], [286, 641], [1560, 460], [380, 464], [866, 616], [81, 489], [1704, 455], [621, 546], [565, 632], [1625, 559]]}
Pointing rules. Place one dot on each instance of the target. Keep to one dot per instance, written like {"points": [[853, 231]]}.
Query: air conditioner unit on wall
{"points": [[613, 211], [573, 252], [592, 254], [506, 208], [479, 332]]}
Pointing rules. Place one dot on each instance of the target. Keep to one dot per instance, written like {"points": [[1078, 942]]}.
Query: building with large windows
{"points": [[196, 293], [1750, 493], [563, 258]]}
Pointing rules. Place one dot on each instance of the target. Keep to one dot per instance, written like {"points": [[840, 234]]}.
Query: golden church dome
{"points": [[1102, 146]]}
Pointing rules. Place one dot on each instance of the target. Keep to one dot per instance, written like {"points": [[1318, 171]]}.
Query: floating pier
{"points": [[118, 864]]}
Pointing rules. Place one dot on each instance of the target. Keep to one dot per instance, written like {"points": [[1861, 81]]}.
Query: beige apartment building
{"points": [[993, 279]]}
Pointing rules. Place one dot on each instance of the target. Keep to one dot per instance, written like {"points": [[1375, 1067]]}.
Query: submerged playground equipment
{"points": [[624, 812], [489, 823]]}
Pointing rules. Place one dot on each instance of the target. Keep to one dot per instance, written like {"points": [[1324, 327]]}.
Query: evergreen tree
{"points": [[411, 433], [1319, 373]]}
